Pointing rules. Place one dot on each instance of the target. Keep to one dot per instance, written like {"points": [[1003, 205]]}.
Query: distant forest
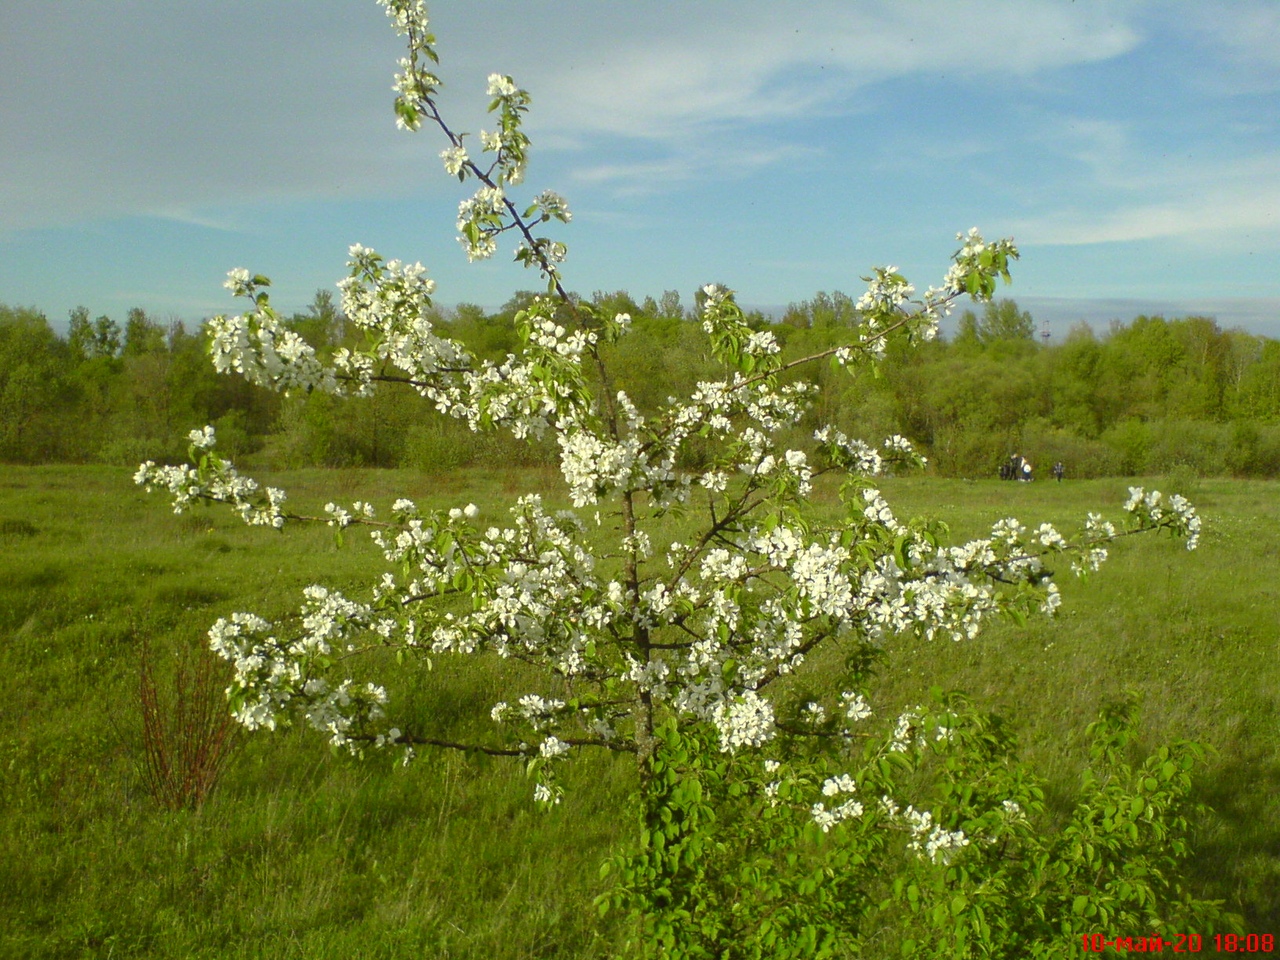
{"points": [[1150, 396]]}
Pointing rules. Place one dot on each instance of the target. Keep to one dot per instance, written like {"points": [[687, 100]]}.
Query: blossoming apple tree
{"points": [[694, 651]]}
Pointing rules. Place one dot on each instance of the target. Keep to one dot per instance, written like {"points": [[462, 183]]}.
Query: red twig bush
{"points": [[188, 736]]}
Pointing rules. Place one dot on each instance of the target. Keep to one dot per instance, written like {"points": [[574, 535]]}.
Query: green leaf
{"points": [[900, 552]]}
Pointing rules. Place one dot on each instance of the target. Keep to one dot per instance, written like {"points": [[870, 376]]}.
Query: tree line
{"points": [[1148, 396]]}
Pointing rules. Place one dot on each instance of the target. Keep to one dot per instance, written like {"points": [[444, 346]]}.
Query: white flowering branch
{"points": [[628, 628]]}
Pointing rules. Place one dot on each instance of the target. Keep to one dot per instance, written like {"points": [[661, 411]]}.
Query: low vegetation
{"points": [[301, 853]]}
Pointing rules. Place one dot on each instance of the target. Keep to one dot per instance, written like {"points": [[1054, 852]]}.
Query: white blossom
{"points": [[837, 785], [202, 439], [553, 747], [828, 818], [454, 157], [746, 721], [500, 86], [856, 708]]}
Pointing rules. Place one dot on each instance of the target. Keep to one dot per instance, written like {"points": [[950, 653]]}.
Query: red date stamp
{"points": [[1263, 943]]}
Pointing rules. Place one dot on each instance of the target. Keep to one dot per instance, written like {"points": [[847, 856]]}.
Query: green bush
{"points": [[735, 858]]}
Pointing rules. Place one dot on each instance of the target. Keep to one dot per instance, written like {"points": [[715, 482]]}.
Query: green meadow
{"points": [[301, 853]]}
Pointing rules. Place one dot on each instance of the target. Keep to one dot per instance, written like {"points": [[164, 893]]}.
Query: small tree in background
{"points": [[1000, 320]]}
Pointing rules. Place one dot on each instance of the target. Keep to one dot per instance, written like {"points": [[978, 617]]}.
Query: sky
{"points": [[1131, 148]]}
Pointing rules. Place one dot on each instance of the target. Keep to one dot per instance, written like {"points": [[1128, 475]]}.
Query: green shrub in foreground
{"points": [[731, 861]]}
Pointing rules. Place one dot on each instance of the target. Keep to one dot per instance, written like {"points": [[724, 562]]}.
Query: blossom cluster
{"points": [[216, 481], [862, 459], [1149, 510], [977, 265], [275, 678], [930, 839], [415, 84], [259, 346], [746, 720], [846, 809]]}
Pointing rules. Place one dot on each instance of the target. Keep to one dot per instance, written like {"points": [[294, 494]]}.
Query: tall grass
{"points": [[301, 853]]}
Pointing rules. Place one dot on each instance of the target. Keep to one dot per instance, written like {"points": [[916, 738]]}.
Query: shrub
{"points": [[188, 735]]}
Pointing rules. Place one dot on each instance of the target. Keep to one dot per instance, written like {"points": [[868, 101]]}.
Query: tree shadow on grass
{"points": [[1237, 847]]}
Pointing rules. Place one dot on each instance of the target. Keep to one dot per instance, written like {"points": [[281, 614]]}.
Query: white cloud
{"points": [[671, 72], [1131, 193], [683, 165], [1223, 216], [115, 109], [141, 108]]}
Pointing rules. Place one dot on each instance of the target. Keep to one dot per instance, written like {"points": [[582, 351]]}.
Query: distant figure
{"points": [[1026, 471], [1058, 471]]}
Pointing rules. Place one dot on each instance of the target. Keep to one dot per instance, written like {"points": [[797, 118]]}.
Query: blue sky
{"points": [[781, 148]]}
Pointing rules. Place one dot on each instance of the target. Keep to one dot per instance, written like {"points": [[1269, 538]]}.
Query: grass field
{"points": [[301, 853]]}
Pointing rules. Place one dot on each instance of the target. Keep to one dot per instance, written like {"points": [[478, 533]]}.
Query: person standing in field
{"points": [[1058, 471]]}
